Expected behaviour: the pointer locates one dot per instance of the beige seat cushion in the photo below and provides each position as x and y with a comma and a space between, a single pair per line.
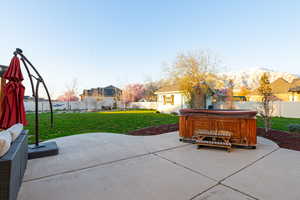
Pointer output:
5, 141
15, 131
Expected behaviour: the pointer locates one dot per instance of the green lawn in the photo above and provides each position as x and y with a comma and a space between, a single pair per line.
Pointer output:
114, 122
280, 123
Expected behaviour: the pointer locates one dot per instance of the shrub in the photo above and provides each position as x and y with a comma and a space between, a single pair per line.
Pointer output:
294, 128
174, 113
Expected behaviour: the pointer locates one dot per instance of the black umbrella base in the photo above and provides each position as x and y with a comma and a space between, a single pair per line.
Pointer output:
43, 150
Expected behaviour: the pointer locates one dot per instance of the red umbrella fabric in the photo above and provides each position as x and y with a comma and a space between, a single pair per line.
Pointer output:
13, 110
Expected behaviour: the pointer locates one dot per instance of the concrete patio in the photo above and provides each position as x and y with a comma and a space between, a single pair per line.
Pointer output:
113, 166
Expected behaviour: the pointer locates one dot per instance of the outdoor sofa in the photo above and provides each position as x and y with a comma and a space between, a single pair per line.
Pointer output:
12, 167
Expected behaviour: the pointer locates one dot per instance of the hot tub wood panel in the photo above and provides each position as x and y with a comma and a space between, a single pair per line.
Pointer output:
242, 125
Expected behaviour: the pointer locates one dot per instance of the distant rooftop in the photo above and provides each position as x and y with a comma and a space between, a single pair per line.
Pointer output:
3, 68
107, 91
169, 88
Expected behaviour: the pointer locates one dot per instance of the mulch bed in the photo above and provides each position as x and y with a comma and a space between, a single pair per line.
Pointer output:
155, 130
283, 139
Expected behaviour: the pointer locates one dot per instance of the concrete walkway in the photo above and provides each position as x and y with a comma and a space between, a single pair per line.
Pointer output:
114, 166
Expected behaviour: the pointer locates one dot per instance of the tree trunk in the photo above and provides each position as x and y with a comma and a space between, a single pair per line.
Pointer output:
266, 126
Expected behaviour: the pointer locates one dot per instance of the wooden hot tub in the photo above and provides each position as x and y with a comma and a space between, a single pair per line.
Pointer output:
241, 123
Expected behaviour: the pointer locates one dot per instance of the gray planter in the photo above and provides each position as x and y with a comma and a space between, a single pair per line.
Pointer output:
12, 168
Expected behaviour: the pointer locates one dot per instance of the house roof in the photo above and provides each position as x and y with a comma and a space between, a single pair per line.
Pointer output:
169, 88
295, 89
280, 85
111, 87
106, 91
295, 83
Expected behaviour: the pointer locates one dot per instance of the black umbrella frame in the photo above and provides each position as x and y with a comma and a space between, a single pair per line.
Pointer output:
38, 149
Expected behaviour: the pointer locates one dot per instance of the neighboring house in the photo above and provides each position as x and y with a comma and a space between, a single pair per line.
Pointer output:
2, 70
142, 100
108, 97
30, 98
172, 99
2, 82
282, 90
294, 90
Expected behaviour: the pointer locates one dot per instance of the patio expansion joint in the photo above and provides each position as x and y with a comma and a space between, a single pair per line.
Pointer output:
220, 182
87, 167
101, 164
171, 148
185, 167
197, 195
248, 165
244, 193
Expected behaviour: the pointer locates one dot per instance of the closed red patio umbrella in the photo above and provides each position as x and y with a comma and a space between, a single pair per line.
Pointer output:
12, 107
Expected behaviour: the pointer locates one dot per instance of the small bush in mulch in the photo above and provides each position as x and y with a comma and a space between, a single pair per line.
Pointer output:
294, 128
283, 139
174, 113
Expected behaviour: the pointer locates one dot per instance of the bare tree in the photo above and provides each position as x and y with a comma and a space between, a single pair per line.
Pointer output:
229, 94
244, 91
71, 92
95, 104
194, 70
150, 88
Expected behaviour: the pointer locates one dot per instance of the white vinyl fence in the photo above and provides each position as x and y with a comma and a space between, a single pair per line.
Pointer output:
61, 105
280, 108
83, 105
143, 105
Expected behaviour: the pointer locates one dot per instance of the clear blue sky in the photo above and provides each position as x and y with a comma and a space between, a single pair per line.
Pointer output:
119, 42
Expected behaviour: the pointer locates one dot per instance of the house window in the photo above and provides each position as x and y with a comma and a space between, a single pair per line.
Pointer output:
168, 99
